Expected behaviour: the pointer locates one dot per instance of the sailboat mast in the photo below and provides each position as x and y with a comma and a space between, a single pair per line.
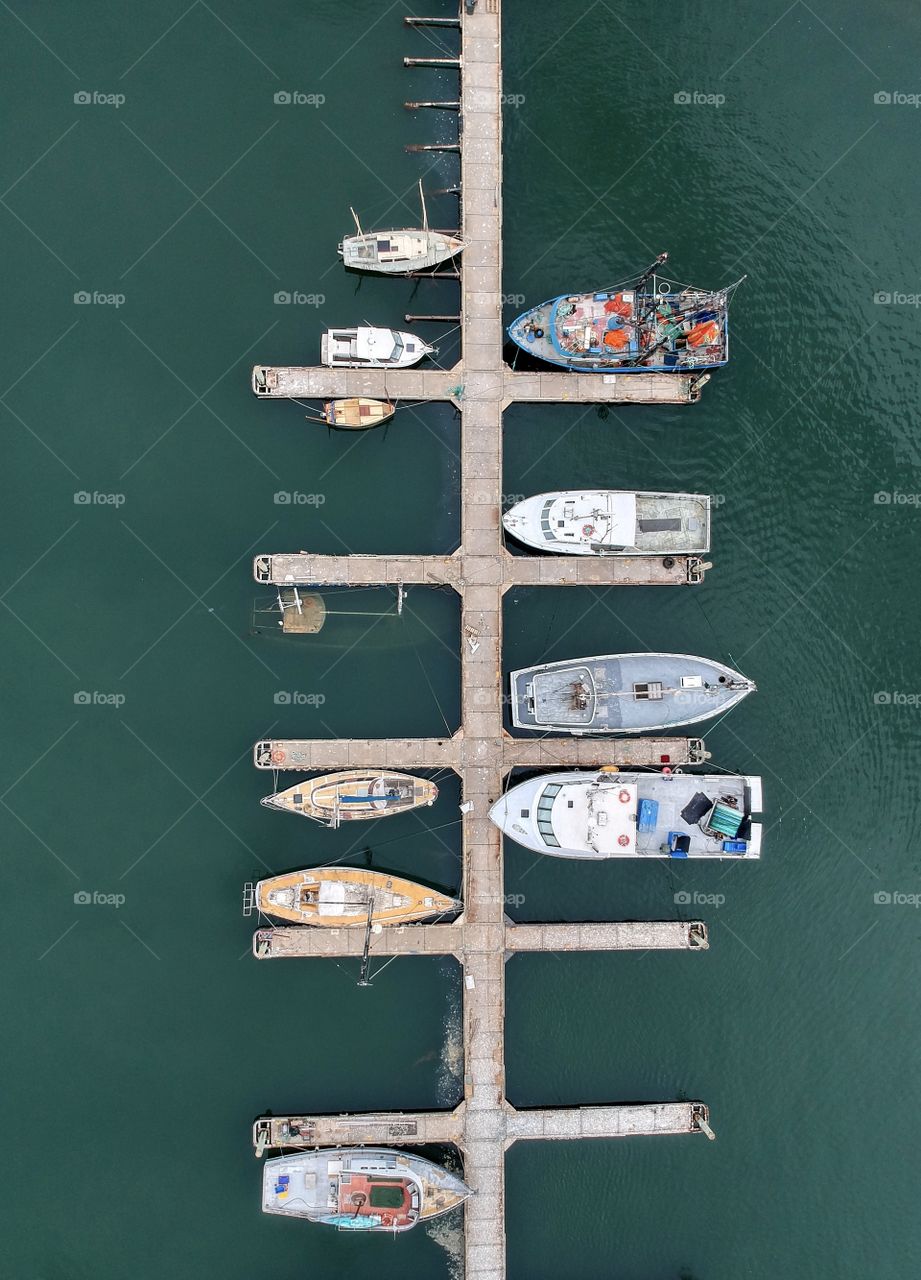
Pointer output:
363, 980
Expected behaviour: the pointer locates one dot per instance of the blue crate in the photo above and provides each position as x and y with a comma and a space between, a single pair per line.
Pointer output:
647, 816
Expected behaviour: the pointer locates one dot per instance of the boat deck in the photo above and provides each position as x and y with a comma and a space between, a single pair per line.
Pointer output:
622, 693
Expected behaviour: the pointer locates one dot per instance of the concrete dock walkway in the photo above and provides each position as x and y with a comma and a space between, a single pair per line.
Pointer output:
451, 753
421, 1128
463, 940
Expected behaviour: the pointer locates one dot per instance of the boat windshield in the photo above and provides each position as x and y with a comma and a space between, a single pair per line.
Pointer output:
544, 810
397, 347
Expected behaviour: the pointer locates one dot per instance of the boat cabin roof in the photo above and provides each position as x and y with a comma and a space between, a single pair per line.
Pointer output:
604, 517
389, 246
599, 818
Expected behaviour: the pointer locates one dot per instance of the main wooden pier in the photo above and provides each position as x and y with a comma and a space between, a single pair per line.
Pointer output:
482, 386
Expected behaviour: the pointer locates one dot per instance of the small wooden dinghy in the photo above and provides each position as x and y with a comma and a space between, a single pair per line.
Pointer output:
353, 794
335, 897
357, 412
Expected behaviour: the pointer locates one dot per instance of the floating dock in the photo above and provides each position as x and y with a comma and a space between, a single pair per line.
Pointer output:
295, 942
308, 754
460, 571
481, 386
466, 383
421, 1128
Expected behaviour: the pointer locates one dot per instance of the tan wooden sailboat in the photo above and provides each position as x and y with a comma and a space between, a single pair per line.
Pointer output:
356, 413
334, 897
353, 794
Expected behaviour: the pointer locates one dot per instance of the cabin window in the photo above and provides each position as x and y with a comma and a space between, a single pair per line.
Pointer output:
544, 810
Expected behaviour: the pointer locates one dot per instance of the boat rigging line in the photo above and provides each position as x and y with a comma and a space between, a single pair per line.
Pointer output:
433, 693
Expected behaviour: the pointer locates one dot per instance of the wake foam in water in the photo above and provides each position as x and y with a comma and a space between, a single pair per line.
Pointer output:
448, 1234
451, 1066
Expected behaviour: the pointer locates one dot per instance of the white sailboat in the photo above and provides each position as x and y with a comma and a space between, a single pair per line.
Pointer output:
399, 252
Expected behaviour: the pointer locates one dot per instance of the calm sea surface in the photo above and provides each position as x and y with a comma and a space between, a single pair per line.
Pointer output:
140, 476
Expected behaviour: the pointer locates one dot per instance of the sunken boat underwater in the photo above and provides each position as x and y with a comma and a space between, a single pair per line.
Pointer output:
614, 814
366, 347
399, 252
360, 1188
336, 897
351, 795
647, 324
612, 522
624, 693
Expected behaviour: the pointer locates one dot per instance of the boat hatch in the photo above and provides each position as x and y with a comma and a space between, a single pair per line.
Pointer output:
650, 692
723, 821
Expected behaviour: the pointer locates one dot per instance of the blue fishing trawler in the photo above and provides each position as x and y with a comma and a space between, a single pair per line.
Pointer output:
647, 324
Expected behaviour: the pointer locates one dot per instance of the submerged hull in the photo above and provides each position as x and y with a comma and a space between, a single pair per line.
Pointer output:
360, 1188
612, 522
624, 693
357, 413
337, 897
354, 795
613, 814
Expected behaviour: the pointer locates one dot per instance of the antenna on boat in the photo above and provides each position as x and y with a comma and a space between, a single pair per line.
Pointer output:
425, 216
363, 979
651, 270
357, 223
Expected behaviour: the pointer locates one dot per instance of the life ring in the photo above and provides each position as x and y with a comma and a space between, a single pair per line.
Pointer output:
624, 796
279, 757
666, 772
623, 840
587, 530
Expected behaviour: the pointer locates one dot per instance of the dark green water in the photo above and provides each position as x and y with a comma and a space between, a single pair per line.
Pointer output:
142, 1039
